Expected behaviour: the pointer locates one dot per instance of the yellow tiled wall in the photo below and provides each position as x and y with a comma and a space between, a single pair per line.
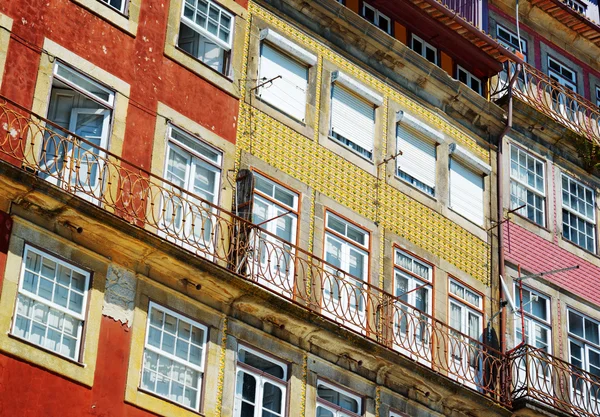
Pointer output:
334, 176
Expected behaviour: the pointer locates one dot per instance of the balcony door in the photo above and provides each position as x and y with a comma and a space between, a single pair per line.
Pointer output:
83, 107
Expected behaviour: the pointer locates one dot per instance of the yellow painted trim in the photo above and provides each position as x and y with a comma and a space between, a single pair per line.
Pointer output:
222, 357
5, 29
128, 24
25, 232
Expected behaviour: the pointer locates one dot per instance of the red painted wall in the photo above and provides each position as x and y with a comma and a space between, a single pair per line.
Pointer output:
536, 254
139, 61
29, 391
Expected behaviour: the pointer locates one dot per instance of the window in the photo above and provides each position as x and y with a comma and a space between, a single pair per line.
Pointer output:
466, 317
51, 303
562, 74
287, 65
412, 285
353, 115
536, 309
416, 165
424, 49
333, 401
538, 333
260, 388
510, 40
527, 185
346, 248
377, 18
577, 5
206, 33
584, 353
275, 210
80, 105
598, 96
469, 79
195, 167
579, 213
466, 191
174, 355
119, 5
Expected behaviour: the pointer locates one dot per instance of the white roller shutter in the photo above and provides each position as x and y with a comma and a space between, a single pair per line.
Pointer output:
418, 155
287, 93
466, 192
353, 118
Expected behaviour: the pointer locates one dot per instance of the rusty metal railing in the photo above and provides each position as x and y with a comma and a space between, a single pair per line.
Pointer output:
540, 377
550, 98
94, 174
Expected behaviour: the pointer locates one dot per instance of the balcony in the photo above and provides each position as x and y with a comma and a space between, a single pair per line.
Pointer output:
542, 379
40, 148
579, 16
554, 100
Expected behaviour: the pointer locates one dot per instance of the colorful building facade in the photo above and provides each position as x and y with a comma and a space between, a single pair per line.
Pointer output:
289, 208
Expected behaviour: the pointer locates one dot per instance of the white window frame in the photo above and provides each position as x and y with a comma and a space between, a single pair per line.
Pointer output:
194, 158
273, 255
511, 41
559, 76
158, 351
532, 321
58, 169
378, 17
335, 292
122, 9
582, 217
37, 299
578, 6
470, 78
337, 410
292, 52
460, 359
528, 188
422, 133
467, 162
416, 334
226, 46
261, 378
577, 396
425, 45
351, 87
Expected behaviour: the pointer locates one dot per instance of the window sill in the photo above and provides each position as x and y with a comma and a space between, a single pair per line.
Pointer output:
171, 402
413, 187
299, 126
51, 352
581, 248
128, 24
199, 68
462, 216
340, 144
529, 221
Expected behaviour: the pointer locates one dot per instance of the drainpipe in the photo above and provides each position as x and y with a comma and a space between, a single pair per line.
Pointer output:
500, 213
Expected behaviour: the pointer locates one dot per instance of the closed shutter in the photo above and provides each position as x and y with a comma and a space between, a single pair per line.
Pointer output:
466, 192
353, 118
418, 156
287, 93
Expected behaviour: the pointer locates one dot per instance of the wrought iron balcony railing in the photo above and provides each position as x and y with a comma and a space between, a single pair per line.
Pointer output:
550, 98
78, 167
542, 378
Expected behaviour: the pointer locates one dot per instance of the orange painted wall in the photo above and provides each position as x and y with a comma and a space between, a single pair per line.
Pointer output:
447, 64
